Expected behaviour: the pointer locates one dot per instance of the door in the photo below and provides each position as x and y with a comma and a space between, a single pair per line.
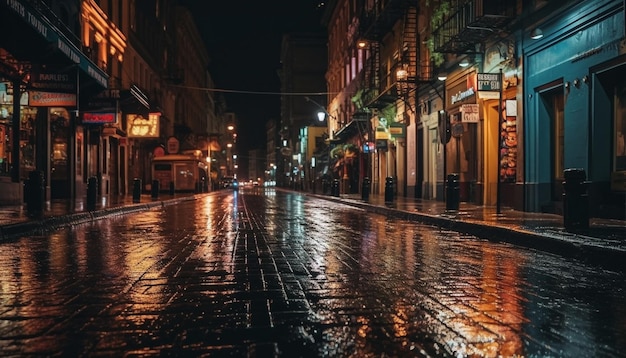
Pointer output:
553, 102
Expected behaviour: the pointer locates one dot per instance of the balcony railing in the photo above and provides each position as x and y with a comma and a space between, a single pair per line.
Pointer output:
471, 23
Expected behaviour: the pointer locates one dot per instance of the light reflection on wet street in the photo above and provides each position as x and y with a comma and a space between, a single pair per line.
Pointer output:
263, 272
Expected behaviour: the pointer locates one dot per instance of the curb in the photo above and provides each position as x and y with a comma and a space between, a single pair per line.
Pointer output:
42, 226
612, 258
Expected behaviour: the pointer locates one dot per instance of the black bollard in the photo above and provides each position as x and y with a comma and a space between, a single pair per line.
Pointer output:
172, 188
136, 190
335, 187
155, 189
92, 193
575, 200
452, 192
388, 189
34, 192
365, 189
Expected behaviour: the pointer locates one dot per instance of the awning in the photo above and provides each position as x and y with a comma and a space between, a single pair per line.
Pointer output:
356, 127
134, 100
46, 43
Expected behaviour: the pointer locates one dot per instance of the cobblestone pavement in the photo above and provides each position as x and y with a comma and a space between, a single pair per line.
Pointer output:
270, 273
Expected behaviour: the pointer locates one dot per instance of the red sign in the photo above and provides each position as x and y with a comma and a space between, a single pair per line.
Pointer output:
98, 118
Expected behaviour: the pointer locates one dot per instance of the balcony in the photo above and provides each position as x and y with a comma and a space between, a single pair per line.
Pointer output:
471, 23
377, 21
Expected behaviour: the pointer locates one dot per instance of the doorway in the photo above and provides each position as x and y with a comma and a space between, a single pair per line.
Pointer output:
553, 102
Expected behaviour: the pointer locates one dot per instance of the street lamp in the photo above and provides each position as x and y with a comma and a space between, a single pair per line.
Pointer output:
321, 116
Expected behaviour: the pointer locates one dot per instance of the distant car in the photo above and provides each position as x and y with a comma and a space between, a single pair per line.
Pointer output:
229, 182
255, 183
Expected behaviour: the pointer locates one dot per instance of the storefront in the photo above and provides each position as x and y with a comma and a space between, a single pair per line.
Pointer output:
500, 175
574, 106
43, 131
461, 151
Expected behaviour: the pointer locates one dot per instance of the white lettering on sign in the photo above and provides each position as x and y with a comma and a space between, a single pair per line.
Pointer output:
469, 113
462, 95
67, 50
17, 7
488, 81
97, 76
38, 25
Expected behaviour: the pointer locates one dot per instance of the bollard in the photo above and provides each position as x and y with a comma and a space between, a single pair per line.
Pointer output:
34, 192
575, 200
92, 193
324, 186
155, 189
136, 190
388, 189
365, 189
172, 188
452, 192
335, 187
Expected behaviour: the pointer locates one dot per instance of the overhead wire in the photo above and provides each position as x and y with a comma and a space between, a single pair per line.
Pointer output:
223, 90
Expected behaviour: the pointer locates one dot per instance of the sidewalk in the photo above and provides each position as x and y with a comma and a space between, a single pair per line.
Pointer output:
16, 221
604, 242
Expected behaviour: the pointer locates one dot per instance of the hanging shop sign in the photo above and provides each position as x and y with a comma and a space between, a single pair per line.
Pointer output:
489, 82
141, 127
397, 130
469, 113
49, 99
381, 133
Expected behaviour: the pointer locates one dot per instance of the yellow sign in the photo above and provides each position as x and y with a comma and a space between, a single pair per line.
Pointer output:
140, 127
381, 133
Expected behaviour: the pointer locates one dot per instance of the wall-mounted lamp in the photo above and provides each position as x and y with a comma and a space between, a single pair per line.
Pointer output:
536, 33
464, 62
402, 74
361, 44
442, 76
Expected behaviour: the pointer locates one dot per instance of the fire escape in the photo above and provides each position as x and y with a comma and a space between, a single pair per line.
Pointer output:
470, 23
384, 82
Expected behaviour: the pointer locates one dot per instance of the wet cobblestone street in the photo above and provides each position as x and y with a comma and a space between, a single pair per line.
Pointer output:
268, 273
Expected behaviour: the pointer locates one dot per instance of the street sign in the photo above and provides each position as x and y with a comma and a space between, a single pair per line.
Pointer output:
489, 82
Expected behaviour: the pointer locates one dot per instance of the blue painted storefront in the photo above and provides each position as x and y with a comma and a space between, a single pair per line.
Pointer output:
578, 55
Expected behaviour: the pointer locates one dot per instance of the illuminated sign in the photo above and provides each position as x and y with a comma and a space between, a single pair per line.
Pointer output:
49, 99
140, 127
98, 117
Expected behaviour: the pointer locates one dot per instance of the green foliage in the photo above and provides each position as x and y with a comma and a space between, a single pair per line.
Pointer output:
438, 15
389, 113
357, 99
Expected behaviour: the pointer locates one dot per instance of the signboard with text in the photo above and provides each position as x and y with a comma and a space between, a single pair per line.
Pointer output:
99, 117
469, 113
489, 82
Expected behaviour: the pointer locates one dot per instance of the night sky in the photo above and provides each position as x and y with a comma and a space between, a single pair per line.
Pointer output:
243, 39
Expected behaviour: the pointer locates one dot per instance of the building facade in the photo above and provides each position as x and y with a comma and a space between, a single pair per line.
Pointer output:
98, 89
470, 88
